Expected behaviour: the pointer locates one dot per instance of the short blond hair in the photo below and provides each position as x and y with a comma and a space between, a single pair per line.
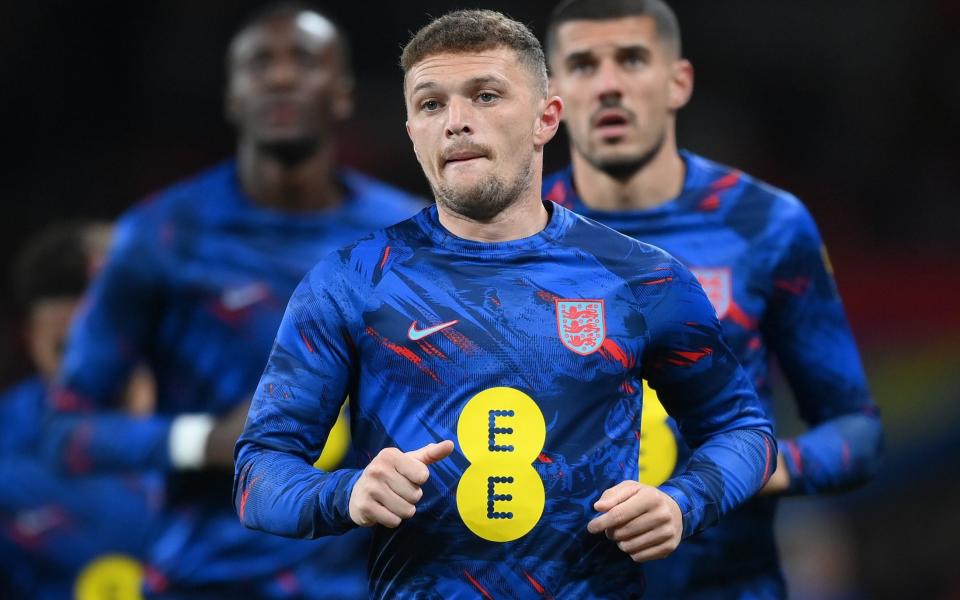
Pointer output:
466, 31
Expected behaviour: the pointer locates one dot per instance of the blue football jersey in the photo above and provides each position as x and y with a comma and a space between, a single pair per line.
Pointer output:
195, 286
757, 252
529, 355
56, 531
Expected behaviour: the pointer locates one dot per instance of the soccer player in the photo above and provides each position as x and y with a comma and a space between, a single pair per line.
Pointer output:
196, 284
60, 534
493, 347
618, 66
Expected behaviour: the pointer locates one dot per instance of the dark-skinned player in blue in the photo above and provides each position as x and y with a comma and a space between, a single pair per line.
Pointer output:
60, 536
756, 250
493, 348
196, 285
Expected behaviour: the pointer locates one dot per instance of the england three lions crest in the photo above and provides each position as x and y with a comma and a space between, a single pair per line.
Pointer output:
581, 324
717, 284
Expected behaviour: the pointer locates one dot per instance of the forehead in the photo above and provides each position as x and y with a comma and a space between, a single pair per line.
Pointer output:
306, 30
451, 69
596, 36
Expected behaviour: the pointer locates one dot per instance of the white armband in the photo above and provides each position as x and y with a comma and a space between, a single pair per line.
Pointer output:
188, 440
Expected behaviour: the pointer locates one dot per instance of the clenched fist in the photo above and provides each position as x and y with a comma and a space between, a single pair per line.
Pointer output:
644, 522
389, 488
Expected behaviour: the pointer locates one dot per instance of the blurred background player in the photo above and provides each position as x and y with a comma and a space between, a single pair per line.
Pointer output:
618, 66
196, 284
59, 534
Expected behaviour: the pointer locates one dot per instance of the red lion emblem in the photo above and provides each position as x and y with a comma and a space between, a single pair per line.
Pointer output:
581, 325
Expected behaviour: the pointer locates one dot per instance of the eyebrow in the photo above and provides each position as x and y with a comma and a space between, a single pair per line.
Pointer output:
423, 85
485, 80
471, 83
635, 49
580, 55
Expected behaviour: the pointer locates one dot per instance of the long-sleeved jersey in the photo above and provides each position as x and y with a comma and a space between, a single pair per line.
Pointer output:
759, 256
57, 532
529, 355
195, 286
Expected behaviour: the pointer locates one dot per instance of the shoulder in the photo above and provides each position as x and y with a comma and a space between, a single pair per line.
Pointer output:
784, 209
361, 264
650, 272
614, 249
183, 202
748, 205
30, 388
21, 406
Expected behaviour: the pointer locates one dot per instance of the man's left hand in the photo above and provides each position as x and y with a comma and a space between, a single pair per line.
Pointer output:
645, 522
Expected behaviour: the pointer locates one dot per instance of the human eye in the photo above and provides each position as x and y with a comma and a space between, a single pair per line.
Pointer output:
487, 97
258, 63
581, 67
430, 105
306, 59
633, 60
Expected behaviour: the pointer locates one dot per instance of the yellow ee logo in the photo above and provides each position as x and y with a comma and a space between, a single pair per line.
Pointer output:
113, 576
501, 432
658, 446
338, 441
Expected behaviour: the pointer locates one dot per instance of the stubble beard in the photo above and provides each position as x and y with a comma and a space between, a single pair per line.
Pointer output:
490, 197
623, 168
291, 153
294, 150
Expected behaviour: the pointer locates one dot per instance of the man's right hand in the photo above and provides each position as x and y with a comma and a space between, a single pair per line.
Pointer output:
390, 487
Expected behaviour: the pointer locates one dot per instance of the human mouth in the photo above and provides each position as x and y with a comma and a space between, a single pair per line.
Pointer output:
459, 157
612, 123
282, 113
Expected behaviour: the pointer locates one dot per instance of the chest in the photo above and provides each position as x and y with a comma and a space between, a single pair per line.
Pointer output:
733, 269
557, 331
241, 275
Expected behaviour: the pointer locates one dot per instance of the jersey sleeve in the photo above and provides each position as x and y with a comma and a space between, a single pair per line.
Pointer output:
107, 338
276, 488
703, 387
808, 331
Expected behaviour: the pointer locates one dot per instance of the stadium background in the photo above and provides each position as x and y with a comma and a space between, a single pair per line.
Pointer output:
851, 105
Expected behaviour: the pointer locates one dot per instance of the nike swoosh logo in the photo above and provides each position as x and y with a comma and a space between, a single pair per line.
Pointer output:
418, 334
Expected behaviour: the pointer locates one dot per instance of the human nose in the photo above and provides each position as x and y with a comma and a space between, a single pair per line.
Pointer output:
457, 118
281, 74
607, 84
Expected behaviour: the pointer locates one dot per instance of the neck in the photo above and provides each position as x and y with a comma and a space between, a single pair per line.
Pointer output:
524, 218
310, 185
654, 184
